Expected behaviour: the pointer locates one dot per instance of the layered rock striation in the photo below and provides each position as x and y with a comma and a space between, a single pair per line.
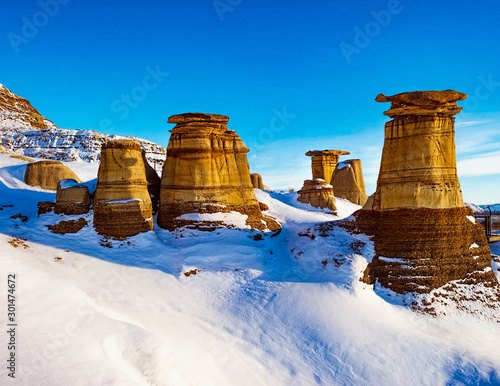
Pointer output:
348, 181
257, 181
122, 203
206, 171
27, 133
72, 198
323, 163
317, 193
47, 174
424, 235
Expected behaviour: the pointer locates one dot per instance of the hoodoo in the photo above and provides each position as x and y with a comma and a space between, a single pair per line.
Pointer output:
72, 197
424, 235
348, 181
257, 181
317, 193
47, 174
206, 172
323, 163
122, 204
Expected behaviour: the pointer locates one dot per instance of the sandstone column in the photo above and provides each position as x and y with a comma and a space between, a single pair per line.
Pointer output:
323, 163
424, 235
206, 171
348, 181
257, 181
122, 204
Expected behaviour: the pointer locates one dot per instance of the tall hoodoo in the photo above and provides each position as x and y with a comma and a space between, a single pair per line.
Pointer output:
207, 171
348, 181
419, 168
122, 204
424, 235
323, 163
257, 181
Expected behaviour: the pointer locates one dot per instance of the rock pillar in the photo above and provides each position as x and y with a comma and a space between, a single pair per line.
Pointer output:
323, 163
348, 181
424, 235
206, 171
122, 204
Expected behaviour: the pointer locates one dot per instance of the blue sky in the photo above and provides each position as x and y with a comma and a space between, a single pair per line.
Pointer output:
292, 75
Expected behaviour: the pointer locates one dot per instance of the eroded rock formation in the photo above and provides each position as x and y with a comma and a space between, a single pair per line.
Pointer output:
317, 193
257, 181
424, 235
154, 182
207, 171
348, 181
323, 163
122, 204
72, 198
47, 174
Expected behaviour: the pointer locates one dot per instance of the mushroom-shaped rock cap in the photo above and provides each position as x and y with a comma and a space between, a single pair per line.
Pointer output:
422, 103
314, 153
423, 98
198, 117
122, 144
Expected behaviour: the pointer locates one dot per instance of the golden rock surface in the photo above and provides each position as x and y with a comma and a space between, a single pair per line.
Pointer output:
257, 181
122, 204
317, 193
348, 181
419, 168
72, 198
206, 171
323, 163
47, 174
424, 235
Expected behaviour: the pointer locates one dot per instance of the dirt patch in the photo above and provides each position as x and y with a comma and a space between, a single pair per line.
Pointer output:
191, 273
70, 226
18, 243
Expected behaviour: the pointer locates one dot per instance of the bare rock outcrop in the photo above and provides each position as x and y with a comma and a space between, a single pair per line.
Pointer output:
47, 174
122, 204
323, 163
424, 235
206, 171
72, 198
348, 181
257, 181
317, 193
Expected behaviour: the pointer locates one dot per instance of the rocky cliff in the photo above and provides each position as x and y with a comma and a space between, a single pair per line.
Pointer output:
26, 132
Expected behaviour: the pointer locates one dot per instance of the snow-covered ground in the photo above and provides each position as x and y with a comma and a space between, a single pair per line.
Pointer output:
218, 308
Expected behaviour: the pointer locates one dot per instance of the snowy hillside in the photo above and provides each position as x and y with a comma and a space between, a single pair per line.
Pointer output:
219, 308
25, 131
483, 208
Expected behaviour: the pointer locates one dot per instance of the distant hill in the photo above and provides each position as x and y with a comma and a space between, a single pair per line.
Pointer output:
495, 208
26, 132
